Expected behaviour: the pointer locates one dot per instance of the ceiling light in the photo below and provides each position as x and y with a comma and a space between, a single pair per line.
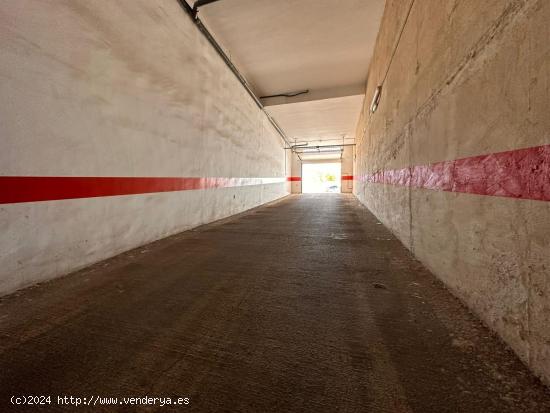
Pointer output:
376, 99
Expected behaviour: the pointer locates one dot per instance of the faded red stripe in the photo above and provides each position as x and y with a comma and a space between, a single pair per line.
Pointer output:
294, 178
521, 173
347, 178
15, 189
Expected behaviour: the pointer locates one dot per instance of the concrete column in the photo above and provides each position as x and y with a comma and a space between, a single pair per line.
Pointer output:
347, 169
296, 176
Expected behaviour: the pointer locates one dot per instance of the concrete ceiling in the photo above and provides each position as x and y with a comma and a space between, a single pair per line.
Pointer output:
320, 122
285, 46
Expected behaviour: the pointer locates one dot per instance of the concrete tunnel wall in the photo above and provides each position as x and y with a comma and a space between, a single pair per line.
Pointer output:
456, 159
107, 89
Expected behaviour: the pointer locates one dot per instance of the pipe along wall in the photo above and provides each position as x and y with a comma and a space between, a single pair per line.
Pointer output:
120, 125
456, 159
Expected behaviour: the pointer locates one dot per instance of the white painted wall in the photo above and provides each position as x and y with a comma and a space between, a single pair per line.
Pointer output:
105, 88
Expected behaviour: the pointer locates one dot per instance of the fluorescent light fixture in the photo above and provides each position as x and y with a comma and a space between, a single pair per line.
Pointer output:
376, 99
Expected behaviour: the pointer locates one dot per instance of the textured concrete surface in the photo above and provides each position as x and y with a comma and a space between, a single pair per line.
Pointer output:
291, 45
348, 159
330, 121
307, 304
286, 46
127, 89
296, 173
468, 78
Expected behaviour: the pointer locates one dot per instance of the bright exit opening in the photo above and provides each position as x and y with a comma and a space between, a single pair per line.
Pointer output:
321, 177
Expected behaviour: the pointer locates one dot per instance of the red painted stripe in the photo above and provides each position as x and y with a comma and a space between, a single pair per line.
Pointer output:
347, 178
521, 173
15, 189
294, 178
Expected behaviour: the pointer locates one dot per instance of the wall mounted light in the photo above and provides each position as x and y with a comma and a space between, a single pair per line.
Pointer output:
376, 99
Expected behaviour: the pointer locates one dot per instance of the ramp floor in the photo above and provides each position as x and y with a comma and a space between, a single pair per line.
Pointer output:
305, 305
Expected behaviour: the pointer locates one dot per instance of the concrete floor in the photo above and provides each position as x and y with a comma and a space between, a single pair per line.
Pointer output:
307, 304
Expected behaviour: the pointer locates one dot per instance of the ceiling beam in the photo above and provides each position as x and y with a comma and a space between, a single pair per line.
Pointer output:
311, 95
